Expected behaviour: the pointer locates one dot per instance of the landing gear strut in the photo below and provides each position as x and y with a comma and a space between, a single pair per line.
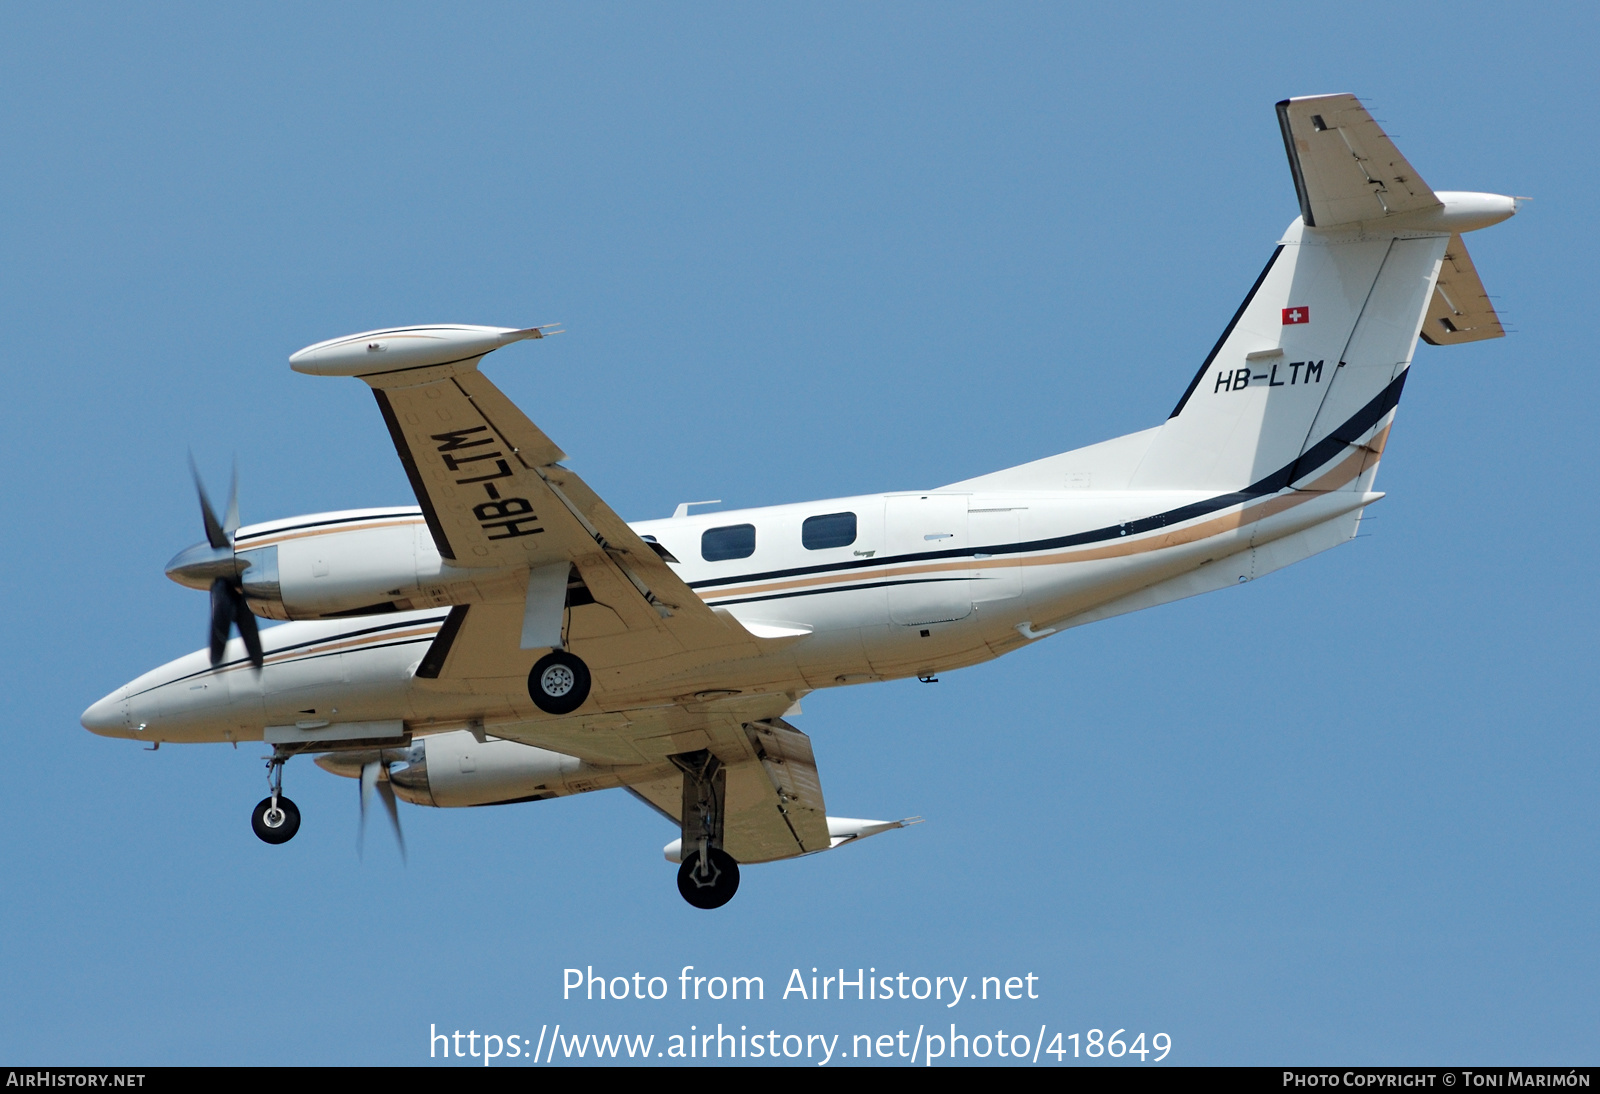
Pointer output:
275, 818
709, 875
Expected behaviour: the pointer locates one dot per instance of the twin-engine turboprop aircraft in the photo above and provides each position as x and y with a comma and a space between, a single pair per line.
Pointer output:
511, 638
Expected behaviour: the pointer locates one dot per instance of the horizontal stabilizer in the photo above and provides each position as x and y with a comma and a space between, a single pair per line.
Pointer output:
1460, 310
841, 830
1346, 169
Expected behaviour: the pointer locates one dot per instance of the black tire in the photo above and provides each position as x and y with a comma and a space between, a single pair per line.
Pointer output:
715, 891
559, 683
287, 821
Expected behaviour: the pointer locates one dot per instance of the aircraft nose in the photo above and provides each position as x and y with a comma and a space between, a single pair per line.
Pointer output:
108, 717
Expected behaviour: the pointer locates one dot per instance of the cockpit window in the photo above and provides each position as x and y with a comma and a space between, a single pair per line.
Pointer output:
828, 530
729, 541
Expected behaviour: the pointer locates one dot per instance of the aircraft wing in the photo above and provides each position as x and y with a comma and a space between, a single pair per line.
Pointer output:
773, 803
495, 496
1345, 167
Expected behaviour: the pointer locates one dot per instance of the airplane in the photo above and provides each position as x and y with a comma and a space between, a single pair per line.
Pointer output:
510, 638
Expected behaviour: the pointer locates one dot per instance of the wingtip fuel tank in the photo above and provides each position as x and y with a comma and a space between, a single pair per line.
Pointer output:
396, 348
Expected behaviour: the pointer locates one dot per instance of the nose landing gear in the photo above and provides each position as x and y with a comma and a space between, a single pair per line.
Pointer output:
275, 818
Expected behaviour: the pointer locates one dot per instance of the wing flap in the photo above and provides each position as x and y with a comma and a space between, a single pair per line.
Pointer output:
773, 806
786, 758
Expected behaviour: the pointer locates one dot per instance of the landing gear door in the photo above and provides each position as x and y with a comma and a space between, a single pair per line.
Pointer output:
932, 584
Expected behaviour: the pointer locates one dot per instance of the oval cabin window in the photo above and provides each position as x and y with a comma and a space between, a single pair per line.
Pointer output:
828, 530
729, 541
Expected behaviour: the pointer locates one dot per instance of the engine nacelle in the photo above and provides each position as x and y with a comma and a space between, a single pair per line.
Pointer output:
456, 769
358, 562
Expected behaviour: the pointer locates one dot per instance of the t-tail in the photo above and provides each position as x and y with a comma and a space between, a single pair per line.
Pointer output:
1299, 393
1300, 390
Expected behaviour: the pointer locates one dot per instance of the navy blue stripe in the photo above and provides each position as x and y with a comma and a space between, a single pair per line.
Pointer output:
1234, 322
1315, 457
1300, 191
419, 487
325, 523
293, 660
443, 639
302, 645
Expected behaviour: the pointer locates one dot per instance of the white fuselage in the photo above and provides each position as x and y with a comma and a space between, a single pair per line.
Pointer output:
915, 584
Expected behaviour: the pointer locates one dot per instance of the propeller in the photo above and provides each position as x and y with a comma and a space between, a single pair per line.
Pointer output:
375, 776
216, 560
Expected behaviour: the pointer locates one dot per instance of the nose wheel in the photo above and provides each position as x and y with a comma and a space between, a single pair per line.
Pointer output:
275, 818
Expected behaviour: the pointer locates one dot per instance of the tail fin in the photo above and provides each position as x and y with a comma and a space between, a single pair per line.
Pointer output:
1302, 385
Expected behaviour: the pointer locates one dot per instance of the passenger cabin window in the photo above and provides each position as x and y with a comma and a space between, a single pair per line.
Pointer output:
828, 530
729, 541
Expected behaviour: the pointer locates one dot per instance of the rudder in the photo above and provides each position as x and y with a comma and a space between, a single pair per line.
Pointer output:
1329, 327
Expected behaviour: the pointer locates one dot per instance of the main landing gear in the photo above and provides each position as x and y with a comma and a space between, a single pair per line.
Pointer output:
709, 875
559, 682
275, 818
708, 882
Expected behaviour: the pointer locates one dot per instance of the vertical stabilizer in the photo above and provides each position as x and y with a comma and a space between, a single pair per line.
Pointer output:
1301, 387
1317, 353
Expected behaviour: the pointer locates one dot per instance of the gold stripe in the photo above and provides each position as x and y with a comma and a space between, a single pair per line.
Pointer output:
274, 540
329, 647
1342, 473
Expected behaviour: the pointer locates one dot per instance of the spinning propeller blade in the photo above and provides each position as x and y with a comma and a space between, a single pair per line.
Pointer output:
370, 781
221, 616
228, 606
216, 535
230, 523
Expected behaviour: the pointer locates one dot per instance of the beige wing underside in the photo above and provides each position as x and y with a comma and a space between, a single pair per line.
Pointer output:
495, 496
1346, 169
1460, 310
773, 805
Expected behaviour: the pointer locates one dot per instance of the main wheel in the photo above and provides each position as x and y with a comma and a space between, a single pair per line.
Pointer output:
559, 683
713, 890
276, 825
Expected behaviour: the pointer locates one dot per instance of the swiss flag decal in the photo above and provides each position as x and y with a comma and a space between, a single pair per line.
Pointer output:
1296, 315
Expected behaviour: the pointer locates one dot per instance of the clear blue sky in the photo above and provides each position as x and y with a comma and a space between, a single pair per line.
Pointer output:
1348, 813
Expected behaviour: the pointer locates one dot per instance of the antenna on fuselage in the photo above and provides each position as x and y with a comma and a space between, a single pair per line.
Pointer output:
683, 507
